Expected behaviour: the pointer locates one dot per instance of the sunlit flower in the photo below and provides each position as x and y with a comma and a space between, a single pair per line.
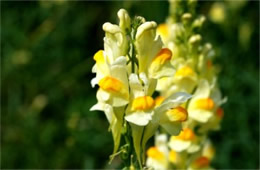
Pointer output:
201, 106
185, 141
157, 156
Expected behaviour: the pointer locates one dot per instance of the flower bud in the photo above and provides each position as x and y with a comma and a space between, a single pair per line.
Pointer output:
186, 18
195, 39
197, 23
125, 21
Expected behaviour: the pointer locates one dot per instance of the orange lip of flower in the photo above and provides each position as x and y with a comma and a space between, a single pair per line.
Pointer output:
153, 152
178, 114
186, 134
201, 162
158, 100
164, 55
220, 113
110, 84
205, 104
143, 103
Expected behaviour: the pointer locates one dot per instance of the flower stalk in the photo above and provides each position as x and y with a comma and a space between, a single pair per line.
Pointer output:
127, 72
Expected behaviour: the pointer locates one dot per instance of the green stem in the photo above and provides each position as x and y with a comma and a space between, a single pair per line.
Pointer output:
132, 58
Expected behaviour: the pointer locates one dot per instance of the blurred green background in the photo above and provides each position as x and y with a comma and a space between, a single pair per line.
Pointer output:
46, 61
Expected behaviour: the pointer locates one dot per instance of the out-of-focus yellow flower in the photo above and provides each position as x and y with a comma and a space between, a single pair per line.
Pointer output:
203, 159
217, 12
184, 71
173, 157
158, 155
201, 106
186, 140
208, 150
200, 163
163, 31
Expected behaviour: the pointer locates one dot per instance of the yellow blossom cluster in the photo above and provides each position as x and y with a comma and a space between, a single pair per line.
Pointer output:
127, 72
197, 75
140, 60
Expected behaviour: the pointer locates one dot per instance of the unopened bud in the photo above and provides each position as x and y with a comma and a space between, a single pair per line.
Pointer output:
186, 18
197, 23
141, 19
124, 19
195, 39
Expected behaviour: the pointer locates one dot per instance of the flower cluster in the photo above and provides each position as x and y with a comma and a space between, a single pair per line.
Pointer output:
128, 71
197, 75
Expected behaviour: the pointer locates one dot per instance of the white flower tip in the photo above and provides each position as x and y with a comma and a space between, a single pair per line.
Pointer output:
93, 82
124, 19
111, 28
121, 13
145, 27
95, 107
140, 119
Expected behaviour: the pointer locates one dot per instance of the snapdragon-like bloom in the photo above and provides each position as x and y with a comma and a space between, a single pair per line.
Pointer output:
186, 140
158, 155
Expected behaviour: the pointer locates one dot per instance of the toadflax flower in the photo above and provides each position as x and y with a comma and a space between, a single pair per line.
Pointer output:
186, 140
158, 155
111, 75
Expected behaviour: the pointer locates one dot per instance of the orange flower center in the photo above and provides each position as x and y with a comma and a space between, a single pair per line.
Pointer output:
110, 84
205, 104
186, 134
143, 103
177, 114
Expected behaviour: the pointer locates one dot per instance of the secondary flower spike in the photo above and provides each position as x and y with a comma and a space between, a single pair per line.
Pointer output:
195, 73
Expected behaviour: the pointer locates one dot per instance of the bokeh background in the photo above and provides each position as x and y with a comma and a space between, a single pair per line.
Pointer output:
47, 52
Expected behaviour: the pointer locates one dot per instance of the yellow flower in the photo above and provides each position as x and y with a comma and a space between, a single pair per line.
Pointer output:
161, 65
200, 163
115, 42
141, 108
184, 79
157, 156
186, 140
201, 106
147, 45
164, 32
